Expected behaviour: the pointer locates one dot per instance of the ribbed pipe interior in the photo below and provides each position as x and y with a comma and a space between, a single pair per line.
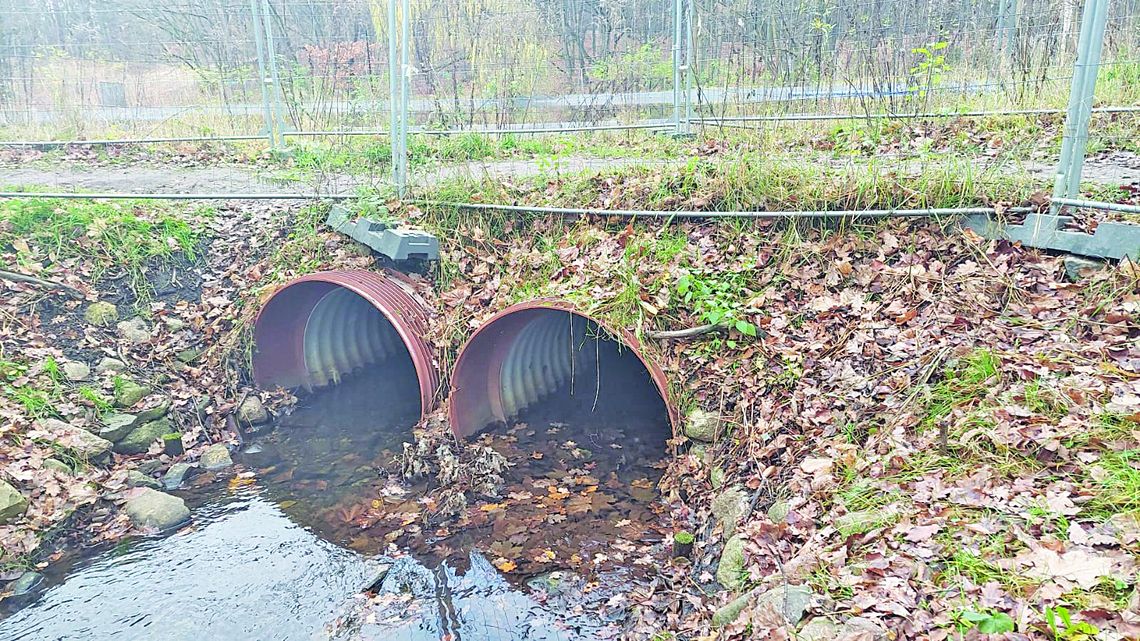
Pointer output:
551, 358
326, 327
345, 334
542, 360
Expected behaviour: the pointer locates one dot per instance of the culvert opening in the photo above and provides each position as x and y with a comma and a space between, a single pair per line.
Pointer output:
544, 365
327, 329
582, 417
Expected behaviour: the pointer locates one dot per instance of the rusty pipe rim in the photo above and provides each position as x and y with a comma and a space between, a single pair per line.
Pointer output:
458, 414
286, 318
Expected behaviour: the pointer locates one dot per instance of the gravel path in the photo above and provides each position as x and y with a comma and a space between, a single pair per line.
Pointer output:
1114, 168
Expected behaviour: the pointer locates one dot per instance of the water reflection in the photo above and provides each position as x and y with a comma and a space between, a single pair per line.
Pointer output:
243, 571
417, 604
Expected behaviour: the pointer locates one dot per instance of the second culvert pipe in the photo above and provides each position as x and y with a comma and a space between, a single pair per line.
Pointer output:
530, 351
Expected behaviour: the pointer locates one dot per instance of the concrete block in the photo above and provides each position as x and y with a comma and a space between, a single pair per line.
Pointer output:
383, 237
1045, 231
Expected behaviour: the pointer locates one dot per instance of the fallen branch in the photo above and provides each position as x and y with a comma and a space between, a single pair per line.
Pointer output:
40, 282
691, 332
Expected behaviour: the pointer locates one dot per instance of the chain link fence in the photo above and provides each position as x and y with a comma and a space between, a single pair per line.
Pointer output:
469, 79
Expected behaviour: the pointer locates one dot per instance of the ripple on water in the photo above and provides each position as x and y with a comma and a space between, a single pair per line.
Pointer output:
245, 571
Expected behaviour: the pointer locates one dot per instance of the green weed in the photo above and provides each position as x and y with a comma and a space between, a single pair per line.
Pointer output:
718, 298
116, 236
985, 621
1063, 628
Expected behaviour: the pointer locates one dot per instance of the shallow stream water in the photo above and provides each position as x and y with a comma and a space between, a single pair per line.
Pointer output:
285, 548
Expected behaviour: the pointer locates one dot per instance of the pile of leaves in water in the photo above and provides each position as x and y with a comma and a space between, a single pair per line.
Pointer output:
560, 500
935, 432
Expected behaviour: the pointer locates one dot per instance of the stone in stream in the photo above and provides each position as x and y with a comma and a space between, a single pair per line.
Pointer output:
135, 330
730, 570
117, 425
12, 503
25, 583
252, 411
108, 364
376, 579
178, 474
83, 444
127, 393
702, 426
728, 507
407, 576
136, 478
140, 438
153, 509
216, 457
76, 371
56, 465
101, 313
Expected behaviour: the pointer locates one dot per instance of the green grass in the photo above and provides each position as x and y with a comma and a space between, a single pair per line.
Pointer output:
961, 385
100, 403
756, 181
1119, 489
965, 564
309, 158
33, 389
113, 236
1041, 398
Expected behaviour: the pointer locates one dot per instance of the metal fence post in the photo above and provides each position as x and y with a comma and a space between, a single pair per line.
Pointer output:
393, 92
1067, 182
399, 73
690, 69
405, 89
263, 81
275, 79
677, 67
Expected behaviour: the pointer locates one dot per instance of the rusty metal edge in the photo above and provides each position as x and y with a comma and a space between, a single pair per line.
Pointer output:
391, 294
660, 381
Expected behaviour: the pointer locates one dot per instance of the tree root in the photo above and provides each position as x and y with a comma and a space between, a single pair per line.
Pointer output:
682, 334
40, 282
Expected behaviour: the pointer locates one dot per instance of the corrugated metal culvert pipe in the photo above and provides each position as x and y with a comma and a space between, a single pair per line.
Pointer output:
545, 353
318, 329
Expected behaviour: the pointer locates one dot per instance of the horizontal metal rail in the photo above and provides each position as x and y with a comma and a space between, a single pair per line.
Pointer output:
497, 131
1096, 204
903, 116
124, 141
644, 213
726, 120
153, 196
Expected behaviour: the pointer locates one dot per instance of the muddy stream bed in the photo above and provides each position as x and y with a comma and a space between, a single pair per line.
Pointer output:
314, 535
